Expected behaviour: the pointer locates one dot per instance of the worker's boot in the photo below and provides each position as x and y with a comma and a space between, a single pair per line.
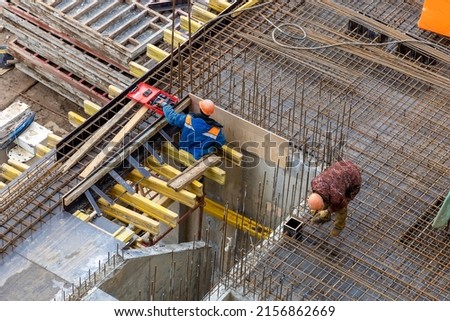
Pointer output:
339, 223
335, 232
321, 217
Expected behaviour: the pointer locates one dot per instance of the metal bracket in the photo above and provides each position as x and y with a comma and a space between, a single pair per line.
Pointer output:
121, 181
93, 203
153, 152
100, 193
138, 166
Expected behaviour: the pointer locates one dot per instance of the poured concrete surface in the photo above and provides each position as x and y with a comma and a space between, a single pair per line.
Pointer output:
55, 257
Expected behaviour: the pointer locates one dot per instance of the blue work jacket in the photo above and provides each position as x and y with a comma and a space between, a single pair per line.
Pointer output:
200, 135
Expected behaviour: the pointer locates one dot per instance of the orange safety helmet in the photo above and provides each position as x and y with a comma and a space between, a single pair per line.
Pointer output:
207, 107
315, 202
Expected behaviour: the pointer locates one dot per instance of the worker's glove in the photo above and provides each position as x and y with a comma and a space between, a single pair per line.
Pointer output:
158, 102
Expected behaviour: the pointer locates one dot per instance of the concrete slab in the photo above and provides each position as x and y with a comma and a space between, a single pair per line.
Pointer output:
68, 247
17, 273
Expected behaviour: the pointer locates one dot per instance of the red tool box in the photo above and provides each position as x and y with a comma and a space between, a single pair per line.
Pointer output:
149, 96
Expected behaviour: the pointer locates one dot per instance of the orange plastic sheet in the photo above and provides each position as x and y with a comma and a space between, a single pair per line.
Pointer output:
435, 17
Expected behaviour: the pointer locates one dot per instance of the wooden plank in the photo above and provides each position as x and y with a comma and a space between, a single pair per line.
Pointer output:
97, 136
193, 172
218, 5
42, 150
78, 190
137, 70
161, 187
74, 60
178, 38
129, 126
167, 171
74, 119
115, 18
129, 216
113, 91
90, 107
18, 165
184, 24
214, 173
156, 53
201, 14
145, 205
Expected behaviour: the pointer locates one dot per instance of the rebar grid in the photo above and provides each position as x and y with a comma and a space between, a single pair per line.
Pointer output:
388, 110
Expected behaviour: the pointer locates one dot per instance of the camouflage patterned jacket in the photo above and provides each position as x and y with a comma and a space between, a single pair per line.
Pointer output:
338, 184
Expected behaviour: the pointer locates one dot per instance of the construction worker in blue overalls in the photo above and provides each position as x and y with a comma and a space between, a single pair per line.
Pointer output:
200, 134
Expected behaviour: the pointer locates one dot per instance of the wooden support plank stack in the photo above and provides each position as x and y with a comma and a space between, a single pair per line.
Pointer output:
79, 49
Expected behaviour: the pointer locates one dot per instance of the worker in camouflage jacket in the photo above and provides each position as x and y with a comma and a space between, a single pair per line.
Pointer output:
332, 190
200, 134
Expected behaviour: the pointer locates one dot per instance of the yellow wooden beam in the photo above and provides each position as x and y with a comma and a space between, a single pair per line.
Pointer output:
83, 216
9, 173
2, 185
160, 186
169, 172
41, 150
113, 91
218, 5
178, 38
52, 140
123, 234
246, 5
18, 165
214, 173
74, 119
129, 216
156, 53
137, 70
201, 14
184, 24
233, 155
236, 220
90, 107
164, 201
145, 205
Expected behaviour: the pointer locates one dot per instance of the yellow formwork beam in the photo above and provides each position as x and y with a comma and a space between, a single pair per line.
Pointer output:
113, 91
214, 173
18, 165
160, 186
90, 107
2, 185
201, 14
53, 140
83, 216
178, 38
129, 216
145, 205
123, 234
235, 156
156, 53
184, 24
41, 150
9, 173
169, 172
137, 70
245, 6
218, 5
164, 201
74, 119
236, 220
